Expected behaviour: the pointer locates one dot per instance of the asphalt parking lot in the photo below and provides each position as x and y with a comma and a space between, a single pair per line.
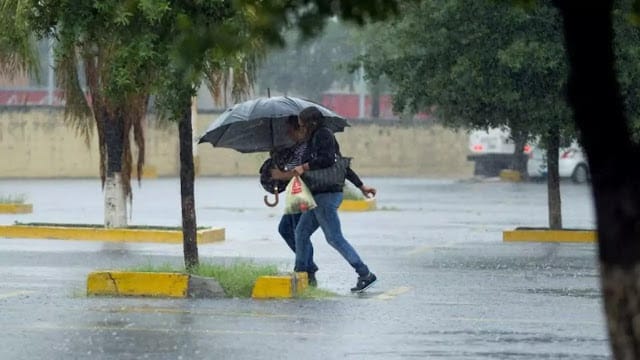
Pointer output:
449, 287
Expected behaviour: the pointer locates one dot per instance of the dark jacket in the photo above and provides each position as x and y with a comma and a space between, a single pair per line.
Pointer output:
321, 153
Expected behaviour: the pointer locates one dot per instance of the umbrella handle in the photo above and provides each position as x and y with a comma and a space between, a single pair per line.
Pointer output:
274, 203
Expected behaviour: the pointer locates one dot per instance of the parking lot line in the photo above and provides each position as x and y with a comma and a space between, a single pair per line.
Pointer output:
15, 294
391, 294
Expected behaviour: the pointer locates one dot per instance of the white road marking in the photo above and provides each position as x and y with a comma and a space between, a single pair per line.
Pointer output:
391, 294
15, 294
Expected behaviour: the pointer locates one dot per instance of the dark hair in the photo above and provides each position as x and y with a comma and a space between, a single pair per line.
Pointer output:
292, 122
311, 117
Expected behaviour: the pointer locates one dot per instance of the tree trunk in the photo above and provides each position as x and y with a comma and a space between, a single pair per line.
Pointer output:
519, 160
115, 204
553, 180
598, 110
190, 245
375, 98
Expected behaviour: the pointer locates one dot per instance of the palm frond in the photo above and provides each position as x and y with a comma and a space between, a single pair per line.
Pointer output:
215, 78
77, 112
232, 76
18, 53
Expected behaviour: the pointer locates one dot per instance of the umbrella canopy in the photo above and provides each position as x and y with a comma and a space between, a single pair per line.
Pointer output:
260, 124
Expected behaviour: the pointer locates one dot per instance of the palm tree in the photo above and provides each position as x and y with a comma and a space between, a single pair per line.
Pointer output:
118, 71
127, 51
18, 54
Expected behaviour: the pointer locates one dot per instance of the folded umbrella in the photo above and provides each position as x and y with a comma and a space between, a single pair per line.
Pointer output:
260, 124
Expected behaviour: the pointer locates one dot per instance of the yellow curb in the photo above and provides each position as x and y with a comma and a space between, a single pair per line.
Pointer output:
16, 208
203, 236
148, 172
358, 205
137, 284
280, 287
510, 175
302, 281
574, 236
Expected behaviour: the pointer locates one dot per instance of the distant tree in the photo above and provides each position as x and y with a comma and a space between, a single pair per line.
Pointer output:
457, 58
309, 67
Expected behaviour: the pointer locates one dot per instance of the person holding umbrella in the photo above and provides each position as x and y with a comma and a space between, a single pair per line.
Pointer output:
288, 222
321, 152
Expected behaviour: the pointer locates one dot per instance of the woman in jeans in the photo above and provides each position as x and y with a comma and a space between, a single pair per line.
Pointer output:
289, 222
321, 151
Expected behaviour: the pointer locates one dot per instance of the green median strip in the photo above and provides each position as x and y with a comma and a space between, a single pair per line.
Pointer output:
237, 280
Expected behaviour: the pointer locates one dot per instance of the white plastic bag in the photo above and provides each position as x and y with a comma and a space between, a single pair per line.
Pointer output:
299, 198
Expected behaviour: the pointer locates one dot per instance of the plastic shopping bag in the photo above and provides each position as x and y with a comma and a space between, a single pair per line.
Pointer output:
299, 198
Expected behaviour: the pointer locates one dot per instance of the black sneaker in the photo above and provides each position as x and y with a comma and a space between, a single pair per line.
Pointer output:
313, 282
364, 282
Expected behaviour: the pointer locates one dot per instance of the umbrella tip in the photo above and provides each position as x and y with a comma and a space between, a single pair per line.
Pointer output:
268, 92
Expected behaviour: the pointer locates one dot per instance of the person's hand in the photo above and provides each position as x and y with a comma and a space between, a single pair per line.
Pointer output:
367, 190
299, 170
278, 174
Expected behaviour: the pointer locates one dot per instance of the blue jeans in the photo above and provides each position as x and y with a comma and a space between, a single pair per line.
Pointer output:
325, 216
287, 228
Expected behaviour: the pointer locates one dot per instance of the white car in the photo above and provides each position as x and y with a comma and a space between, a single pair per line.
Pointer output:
571, 164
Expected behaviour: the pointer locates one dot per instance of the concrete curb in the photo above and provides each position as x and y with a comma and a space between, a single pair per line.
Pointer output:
358, 205
542, 235
173, 285
16, 208
62, 232
280, 287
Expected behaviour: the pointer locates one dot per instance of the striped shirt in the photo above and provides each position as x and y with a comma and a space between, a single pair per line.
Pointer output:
295, 158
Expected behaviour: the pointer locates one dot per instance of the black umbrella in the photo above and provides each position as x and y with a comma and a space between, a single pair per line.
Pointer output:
260, 124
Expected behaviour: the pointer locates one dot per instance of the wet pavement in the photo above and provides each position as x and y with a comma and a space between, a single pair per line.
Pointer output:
449, 287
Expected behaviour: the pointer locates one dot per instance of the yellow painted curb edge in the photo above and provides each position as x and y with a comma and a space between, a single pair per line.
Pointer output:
148, 172
16, 208
358, 205
532, 235
280, 286
204, 236
510, 175
122, 283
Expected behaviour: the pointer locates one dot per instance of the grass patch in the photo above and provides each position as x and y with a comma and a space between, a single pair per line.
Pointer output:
13, 199
316, 293
236, 279
166, 267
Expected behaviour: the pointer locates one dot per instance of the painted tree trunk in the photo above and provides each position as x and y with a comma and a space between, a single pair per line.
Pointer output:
115, 204
190, 245
553, 180
596, 100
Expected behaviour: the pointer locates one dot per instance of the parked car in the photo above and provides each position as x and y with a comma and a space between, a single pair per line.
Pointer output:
571, 164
